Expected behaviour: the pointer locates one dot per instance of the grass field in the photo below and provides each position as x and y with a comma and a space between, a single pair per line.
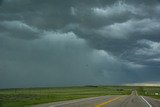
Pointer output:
149, 91
32, 96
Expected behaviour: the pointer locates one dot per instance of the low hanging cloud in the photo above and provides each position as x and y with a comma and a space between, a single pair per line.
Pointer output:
59, 58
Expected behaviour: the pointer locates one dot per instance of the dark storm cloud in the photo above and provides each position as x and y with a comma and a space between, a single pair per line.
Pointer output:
62, 43
59, 58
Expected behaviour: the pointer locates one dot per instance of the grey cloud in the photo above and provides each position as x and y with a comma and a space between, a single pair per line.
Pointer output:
18, 29
59, 58
57, 42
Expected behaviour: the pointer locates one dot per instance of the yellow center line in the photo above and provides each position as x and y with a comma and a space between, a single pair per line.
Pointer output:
105, 103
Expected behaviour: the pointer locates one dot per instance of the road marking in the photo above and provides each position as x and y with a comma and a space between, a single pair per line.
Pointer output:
63, 103
105, 103
146, 102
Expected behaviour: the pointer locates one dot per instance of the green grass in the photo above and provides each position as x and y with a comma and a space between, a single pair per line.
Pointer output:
149, 91
32, 96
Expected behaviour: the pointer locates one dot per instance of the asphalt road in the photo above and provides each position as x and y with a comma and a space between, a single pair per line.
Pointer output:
132, 100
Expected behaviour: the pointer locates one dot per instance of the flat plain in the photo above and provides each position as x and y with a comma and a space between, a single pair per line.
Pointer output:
22, 97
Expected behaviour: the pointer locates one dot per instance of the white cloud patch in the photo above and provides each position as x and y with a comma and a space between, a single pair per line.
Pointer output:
18, 29
154, 60
118, 8
157, 9
144, 84
134, 65
73, 11
128, 28
150, 48
11, 25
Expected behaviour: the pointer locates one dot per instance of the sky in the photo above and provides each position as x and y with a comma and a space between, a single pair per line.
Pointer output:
52, 43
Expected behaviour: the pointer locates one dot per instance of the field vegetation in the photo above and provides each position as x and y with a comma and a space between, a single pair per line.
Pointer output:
31, 96
149, 91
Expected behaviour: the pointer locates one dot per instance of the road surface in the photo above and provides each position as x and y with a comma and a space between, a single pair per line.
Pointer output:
132, 100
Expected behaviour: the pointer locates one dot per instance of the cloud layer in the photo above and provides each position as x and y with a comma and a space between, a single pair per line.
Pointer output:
65, 43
